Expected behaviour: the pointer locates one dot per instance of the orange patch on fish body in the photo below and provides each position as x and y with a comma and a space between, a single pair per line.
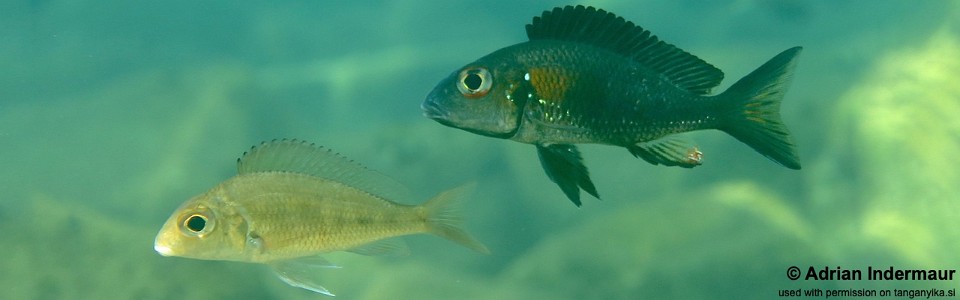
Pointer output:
550, 83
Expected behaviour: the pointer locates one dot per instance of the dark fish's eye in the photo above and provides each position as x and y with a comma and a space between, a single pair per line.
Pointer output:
196, 224
474, 82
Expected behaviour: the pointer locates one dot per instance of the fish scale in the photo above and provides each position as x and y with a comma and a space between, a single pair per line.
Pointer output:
583, 110
303, 216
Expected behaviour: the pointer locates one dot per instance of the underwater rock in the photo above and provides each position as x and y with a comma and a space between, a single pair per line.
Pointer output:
419, 281
127, 145
732, 240
894, 159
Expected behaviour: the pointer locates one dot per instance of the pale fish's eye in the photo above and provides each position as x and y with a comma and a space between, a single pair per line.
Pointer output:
474, 82
196, 224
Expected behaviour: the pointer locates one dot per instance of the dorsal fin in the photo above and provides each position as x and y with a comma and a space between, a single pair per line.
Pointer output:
606, 30
284, 155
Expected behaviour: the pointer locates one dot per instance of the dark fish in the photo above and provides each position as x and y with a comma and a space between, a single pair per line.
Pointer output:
588, 76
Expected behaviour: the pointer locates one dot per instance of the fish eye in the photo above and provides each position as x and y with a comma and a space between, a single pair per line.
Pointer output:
196, 224
474, 82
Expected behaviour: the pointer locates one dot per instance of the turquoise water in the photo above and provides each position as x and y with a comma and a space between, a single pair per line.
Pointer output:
112, 113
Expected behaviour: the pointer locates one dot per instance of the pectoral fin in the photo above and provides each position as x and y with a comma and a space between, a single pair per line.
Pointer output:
564, 166
302, 272
668, 152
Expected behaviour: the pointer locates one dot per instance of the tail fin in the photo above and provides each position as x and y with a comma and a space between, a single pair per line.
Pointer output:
444, 221
753, 105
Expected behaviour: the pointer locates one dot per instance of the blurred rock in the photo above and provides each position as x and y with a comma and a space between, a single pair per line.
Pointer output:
734, 240
892, 164
127, 145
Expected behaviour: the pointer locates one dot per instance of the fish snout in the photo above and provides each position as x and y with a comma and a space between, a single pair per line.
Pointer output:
162, 248
166, 241
432, 110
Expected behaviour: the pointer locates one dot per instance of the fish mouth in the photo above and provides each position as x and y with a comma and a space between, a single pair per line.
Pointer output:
163, 250
433, 111
162, 244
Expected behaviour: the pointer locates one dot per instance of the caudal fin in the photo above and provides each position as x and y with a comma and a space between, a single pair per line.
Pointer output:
444, 221
753, 115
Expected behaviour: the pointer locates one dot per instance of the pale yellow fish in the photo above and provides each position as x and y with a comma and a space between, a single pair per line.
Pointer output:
291, 201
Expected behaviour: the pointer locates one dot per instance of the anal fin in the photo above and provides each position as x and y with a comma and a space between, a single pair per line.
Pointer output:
564, 166
668, 152
302, 272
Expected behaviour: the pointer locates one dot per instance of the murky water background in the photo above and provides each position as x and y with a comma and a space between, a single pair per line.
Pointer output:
114, 112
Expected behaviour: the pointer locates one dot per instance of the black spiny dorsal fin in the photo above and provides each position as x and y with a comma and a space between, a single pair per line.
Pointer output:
606, 30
